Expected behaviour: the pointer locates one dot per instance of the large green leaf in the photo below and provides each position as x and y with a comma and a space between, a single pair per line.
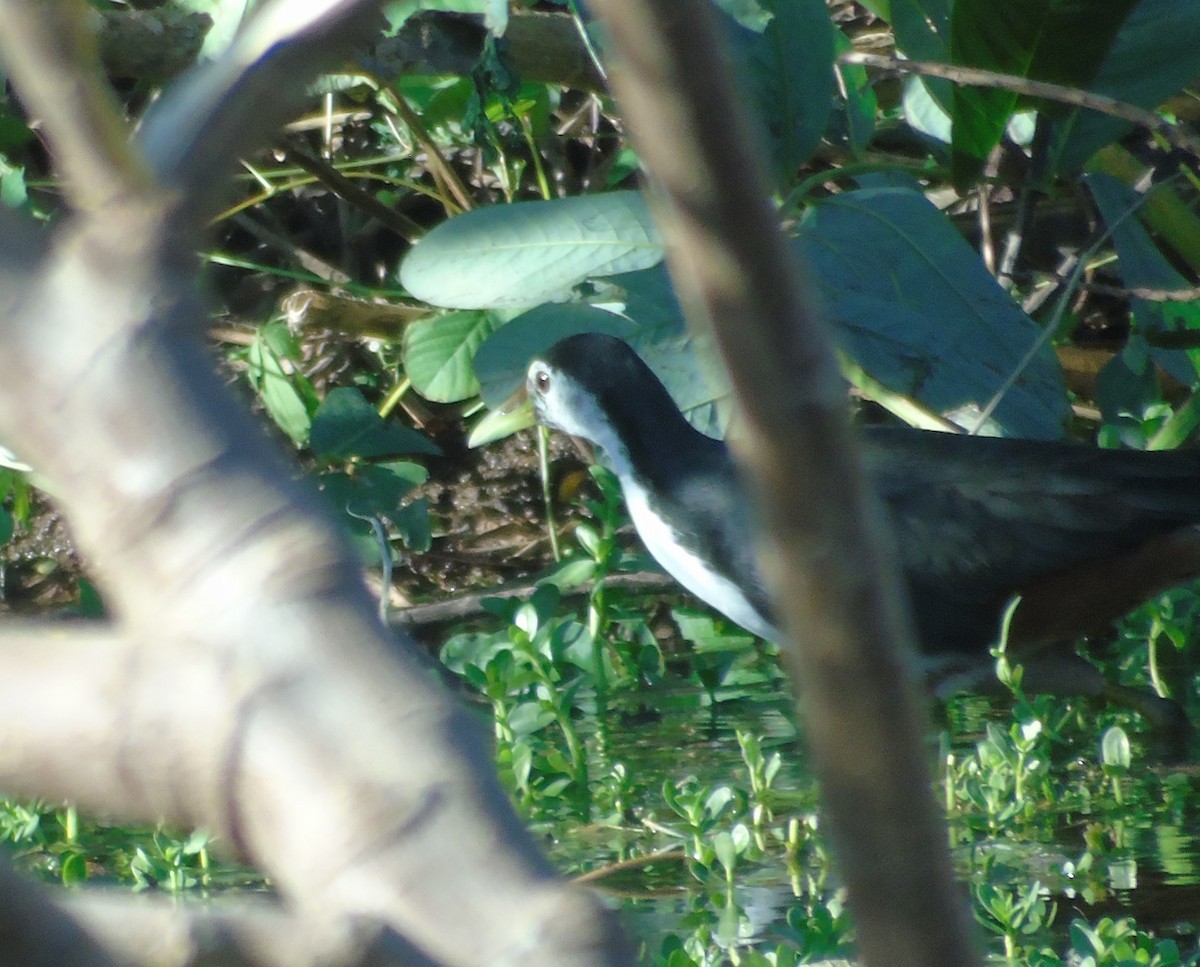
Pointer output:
790, 68
909, 299
438, 354
914, 305
1061, 41
524, 254
1156, 53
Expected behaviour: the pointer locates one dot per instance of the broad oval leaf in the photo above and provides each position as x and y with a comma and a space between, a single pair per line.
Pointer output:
438, 354
913, 303
531, 252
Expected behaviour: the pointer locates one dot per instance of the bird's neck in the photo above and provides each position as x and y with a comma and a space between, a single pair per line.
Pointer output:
655, 453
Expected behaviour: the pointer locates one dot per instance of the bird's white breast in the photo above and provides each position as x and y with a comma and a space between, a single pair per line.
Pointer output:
686, 567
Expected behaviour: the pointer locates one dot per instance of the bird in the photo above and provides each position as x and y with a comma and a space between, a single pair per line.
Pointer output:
1082, 534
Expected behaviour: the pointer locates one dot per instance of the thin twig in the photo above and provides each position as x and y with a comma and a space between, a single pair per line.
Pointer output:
346, 189
1190, 294
439, 167
1174, 135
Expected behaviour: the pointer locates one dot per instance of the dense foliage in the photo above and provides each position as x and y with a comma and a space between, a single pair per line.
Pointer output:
1005, 255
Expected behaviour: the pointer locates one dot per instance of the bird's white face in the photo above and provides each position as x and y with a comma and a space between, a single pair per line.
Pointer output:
562, 404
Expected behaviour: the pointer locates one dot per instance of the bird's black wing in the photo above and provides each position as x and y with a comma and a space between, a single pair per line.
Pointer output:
977, 519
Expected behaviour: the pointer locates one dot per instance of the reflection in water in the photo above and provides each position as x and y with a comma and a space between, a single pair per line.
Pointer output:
1106, 844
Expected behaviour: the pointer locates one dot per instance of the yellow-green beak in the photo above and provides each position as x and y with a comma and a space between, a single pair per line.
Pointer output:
515, 413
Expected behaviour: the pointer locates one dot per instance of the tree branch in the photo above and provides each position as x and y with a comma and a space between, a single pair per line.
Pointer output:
245, 685
823, 555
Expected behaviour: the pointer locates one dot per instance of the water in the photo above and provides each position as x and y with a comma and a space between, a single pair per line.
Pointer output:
1092, 843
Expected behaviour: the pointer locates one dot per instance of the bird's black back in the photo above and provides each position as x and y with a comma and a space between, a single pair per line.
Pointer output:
979, 519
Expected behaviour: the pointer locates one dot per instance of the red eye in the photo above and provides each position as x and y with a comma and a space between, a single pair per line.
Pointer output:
541, 381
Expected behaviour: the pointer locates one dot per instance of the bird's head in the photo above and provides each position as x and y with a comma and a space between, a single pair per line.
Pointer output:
595, 387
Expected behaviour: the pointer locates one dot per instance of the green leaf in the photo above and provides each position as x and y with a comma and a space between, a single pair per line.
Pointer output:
1060, 41
914, 305
278, 390
922, 30
13, 193
791, 74
527, 253
923, 112
6, 526
412, 522
1115, 750
378, 490
1127, 383
571, 572
74, 868
347, 425
438, 354
860, 106
727, 854
1155, 54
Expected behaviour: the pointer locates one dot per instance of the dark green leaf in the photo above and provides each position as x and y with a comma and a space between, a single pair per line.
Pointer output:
1127, 383
791, 73
375, 490
1143, 265
915, 306
1155, 54
412, 521
860, 105
1060, 41
347, 425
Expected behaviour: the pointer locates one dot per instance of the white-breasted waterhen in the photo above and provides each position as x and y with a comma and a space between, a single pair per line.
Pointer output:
1082, 534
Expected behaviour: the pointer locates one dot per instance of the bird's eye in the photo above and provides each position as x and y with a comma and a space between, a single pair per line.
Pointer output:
541, 381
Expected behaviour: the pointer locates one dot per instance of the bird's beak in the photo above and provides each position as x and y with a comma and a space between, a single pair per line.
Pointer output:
515, 413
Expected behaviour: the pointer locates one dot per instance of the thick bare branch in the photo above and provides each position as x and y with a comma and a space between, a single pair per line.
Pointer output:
151, 932
248, 687
55, 64
824, 556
